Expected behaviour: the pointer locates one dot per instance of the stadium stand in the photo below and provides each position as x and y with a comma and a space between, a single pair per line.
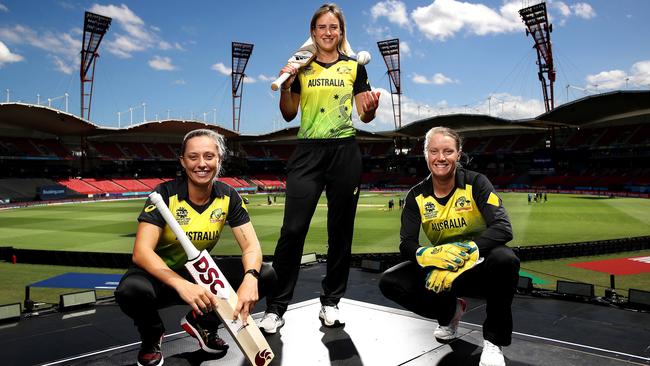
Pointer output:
23, 189
79, 186
131, 185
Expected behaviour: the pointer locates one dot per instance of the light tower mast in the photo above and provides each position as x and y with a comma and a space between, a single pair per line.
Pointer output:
389, 49
241, 52
95, 26
536, 19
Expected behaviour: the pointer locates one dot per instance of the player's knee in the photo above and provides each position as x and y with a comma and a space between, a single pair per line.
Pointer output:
389, 285
503, 260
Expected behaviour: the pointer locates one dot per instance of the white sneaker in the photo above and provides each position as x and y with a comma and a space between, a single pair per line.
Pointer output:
330, 316
448, 332
492, 355
270, 323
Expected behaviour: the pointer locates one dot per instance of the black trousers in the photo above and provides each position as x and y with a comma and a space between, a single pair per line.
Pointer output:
140, 295
333, 165
495, 279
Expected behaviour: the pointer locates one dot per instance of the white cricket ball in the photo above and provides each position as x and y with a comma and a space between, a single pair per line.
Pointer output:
363, 57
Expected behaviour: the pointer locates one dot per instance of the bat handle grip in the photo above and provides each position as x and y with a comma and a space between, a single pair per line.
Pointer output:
278, 82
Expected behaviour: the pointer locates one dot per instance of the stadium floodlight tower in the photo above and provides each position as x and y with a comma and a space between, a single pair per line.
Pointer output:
389, 49
241, 52
536, 19
95, 26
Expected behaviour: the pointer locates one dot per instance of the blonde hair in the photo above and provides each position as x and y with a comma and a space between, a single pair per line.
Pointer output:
344, 45
445, 131
215, 136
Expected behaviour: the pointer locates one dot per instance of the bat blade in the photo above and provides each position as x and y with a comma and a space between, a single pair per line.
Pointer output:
300, 59
207, 274
249, 338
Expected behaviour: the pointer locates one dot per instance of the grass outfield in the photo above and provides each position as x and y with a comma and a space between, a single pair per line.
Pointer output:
110, 227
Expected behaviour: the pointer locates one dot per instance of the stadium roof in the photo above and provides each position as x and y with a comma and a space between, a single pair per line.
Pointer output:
467, 124
29, 118
170, 130
614, 108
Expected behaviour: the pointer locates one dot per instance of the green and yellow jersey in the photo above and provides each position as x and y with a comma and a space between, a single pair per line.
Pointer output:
471, 211
326, 97
202, 224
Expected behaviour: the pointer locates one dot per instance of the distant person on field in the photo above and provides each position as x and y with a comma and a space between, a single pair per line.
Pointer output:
530, 197
466, 254
545, 197
391, 203
158, 278
327, 157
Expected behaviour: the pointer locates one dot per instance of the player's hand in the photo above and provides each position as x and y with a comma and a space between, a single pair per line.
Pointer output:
200, 299
248, 296
438, 280
291, 70
369, 101
445, 256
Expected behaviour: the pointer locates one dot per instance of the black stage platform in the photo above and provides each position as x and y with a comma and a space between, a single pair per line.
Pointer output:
548, 332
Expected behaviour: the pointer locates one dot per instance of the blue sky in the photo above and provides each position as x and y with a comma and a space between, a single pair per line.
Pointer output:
456, 56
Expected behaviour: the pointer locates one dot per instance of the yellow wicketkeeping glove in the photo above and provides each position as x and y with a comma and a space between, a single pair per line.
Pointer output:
439, 280
446, 256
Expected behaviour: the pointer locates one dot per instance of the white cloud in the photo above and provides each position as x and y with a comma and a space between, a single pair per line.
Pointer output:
249, 80
613, 79
6, 56
133, 34
179, 82
404, 49
394, 11
563, 8
638, 76
444, 18
63, 66
221, 68
4, 8
262, 77
436, 79
378, 32
502, 105
62, 48
161, 63
583, 10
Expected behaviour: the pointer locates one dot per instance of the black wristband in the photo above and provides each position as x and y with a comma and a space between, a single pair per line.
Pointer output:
253, 272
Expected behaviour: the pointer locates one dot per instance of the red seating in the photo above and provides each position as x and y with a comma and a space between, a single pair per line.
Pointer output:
80, 186
131, 185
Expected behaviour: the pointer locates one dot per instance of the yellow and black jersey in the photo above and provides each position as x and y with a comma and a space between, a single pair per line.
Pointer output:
326, 97
471, 211
202, 224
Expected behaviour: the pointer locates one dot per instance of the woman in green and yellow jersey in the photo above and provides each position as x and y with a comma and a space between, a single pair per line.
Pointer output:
327, 157
467, 229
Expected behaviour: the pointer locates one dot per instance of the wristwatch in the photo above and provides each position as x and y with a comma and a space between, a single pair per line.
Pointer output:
253, 272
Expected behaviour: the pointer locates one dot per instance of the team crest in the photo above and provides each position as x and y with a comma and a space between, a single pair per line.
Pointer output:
430, 210
343, 70
307, 70
181, 215
217, 216
462, 204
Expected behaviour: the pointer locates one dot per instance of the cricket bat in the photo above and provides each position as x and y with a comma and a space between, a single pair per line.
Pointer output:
206, 274
301, 58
